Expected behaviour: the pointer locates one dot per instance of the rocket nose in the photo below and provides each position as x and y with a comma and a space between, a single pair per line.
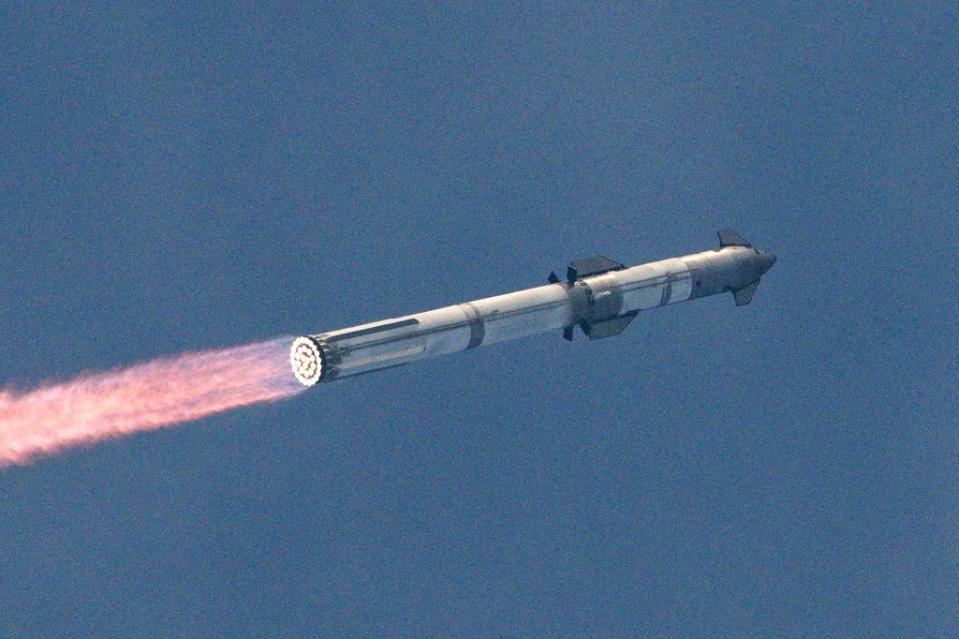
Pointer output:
768, 260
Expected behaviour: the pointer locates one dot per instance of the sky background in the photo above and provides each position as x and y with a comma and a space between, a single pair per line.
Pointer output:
203, 176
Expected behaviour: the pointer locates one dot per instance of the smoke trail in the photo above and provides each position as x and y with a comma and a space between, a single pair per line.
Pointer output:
163, 392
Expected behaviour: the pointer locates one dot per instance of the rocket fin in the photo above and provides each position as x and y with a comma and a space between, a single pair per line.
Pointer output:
744, 295
608, 327
568, 333
729, 237
590, 266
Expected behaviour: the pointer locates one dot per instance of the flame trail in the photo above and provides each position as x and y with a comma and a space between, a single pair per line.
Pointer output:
164, 392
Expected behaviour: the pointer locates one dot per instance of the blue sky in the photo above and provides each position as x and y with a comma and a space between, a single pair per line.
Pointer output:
185, 178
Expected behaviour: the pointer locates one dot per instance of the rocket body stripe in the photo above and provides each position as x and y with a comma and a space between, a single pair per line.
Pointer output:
596, 298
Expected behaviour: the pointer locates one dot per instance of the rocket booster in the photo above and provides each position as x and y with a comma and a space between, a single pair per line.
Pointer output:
599, 295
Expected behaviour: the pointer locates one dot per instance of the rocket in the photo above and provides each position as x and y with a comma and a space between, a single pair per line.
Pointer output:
599, 296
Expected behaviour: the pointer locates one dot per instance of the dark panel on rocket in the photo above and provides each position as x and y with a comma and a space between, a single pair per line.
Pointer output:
374, 329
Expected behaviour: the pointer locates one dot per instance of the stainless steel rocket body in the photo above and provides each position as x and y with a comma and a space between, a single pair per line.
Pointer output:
599, 295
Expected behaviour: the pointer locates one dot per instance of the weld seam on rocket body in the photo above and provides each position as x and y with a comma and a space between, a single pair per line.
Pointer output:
667, 290
477, 325
602, 301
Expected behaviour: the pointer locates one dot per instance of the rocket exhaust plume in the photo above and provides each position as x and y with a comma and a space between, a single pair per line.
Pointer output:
164, 392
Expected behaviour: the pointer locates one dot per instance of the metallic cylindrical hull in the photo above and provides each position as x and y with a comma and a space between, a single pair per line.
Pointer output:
604, 302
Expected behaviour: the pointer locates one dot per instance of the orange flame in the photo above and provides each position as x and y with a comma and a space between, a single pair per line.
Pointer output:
148, 396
